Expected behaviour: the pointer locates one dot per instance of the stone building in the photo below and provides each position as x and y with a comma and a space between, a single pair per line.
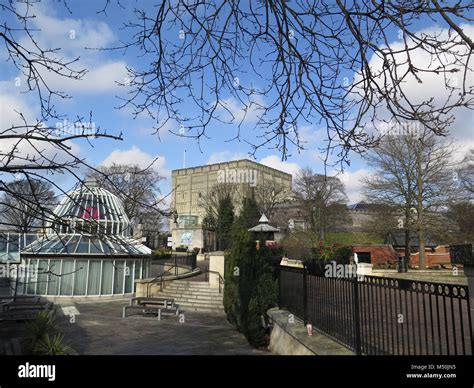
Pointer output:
192, 185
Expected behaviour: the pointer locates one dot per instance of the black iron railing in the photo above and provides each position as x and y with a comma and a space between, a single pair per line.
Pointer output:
177, 260
381, 316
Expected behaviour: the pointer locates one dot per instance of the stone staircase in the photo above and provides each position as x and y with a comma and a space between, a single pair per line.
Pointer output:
193, 296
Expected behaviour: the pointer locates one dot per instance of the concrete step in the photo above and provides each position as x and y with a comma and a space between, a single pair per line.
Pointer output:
190, 284
194, 296
179, 287
190, 298
195, 293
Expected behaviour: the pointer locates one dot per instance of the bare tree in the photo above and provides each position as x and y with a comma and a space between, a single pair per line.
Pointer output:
322, 198
22, 204
38, 148
414, 175
347, 66
211, 200
461, 214
466, 173
137, 188
269, 195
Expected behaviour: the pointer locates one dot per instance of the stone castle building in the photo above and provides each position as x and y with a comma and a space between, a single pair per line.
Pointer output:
192, 185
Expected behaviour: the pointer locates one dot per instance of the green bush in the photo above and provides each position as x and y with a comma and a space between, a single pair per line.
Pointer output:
52, 346
161, 255
323, 255
43, 325
44, 338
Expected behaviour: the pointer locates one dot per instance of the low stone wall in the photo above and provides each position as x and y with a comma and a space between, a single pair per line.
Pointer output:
289, 337
216, 264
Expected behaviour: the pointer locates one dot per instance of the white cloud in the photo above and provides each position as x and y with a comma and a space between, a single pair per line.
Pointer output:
135, 156
432, 83
71, 34
353, 182
275, 162
98, 79
73, 37
225, 156
28, 150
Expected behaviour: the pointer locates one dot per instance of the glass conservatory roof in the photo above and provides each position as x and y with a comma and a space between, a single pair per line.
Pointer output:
88, 221
11, 243
92, 209
77, 244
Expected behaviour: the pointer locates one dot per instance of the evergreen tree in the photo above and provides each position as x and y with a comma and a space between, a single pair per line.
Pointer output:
225, 219
250, 288
209, 222
250, 214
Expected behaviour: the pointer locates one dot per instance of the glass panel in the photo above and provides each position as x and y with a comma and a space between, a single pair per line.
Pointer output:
106, 247
137, 269
3, 243
95, 246
146, 271
80, 277
118, 276
42, 277
83, 246
129, 276
32, 271
107, 273
66, 280
94, 278
53, 281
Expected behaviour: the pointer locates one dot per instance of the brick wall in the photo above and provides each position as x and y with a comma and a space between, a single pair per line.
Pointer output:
379, 253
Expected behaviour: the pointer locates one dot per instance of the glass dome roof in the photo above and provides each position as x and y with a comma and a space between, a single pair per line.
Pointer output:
88, 221
91, 209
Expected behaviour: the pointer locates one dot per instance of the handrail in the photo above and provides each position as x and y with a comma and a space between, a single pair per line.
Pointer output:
155, 279
160, 277
221, 279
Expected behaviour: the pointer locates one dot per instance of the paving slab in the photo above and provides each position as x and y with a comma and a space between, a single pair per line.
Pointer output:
101, 330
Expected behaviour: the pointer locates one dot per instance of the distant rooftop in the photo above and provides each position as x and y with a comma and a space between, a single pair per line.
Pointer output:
232, 161
362, 206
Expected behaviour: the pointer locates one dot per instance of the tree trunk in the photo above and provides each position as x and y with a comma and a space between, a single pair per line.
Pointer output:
407, 245
407, 234
419, 209
421, 237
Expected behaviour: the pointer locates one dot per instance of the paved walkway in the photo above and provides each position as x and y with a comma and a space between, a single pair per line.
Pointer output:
100, 330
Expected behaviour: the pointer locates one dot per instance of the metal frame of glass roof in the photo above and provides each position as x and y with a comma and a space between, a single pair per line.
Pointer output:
87, 245
91, 221
91, 208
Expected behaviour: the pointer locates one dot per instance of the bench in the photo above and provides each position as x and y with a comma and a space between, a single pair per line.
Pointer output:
165, 302
158, 308
18, 316
159, 311
17, 306
20, 298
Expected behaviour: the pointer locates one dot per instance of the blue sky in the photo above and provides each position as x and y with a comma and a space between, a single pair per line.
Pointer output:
98, 92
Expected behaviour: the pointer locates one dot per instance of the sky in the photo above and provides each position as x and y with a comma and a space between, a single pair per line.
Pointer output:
76, 32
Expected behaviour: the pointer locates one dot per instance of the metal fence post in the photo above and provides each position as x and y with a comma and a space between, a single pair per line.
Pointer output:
305, 295
176, 265
358, 346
